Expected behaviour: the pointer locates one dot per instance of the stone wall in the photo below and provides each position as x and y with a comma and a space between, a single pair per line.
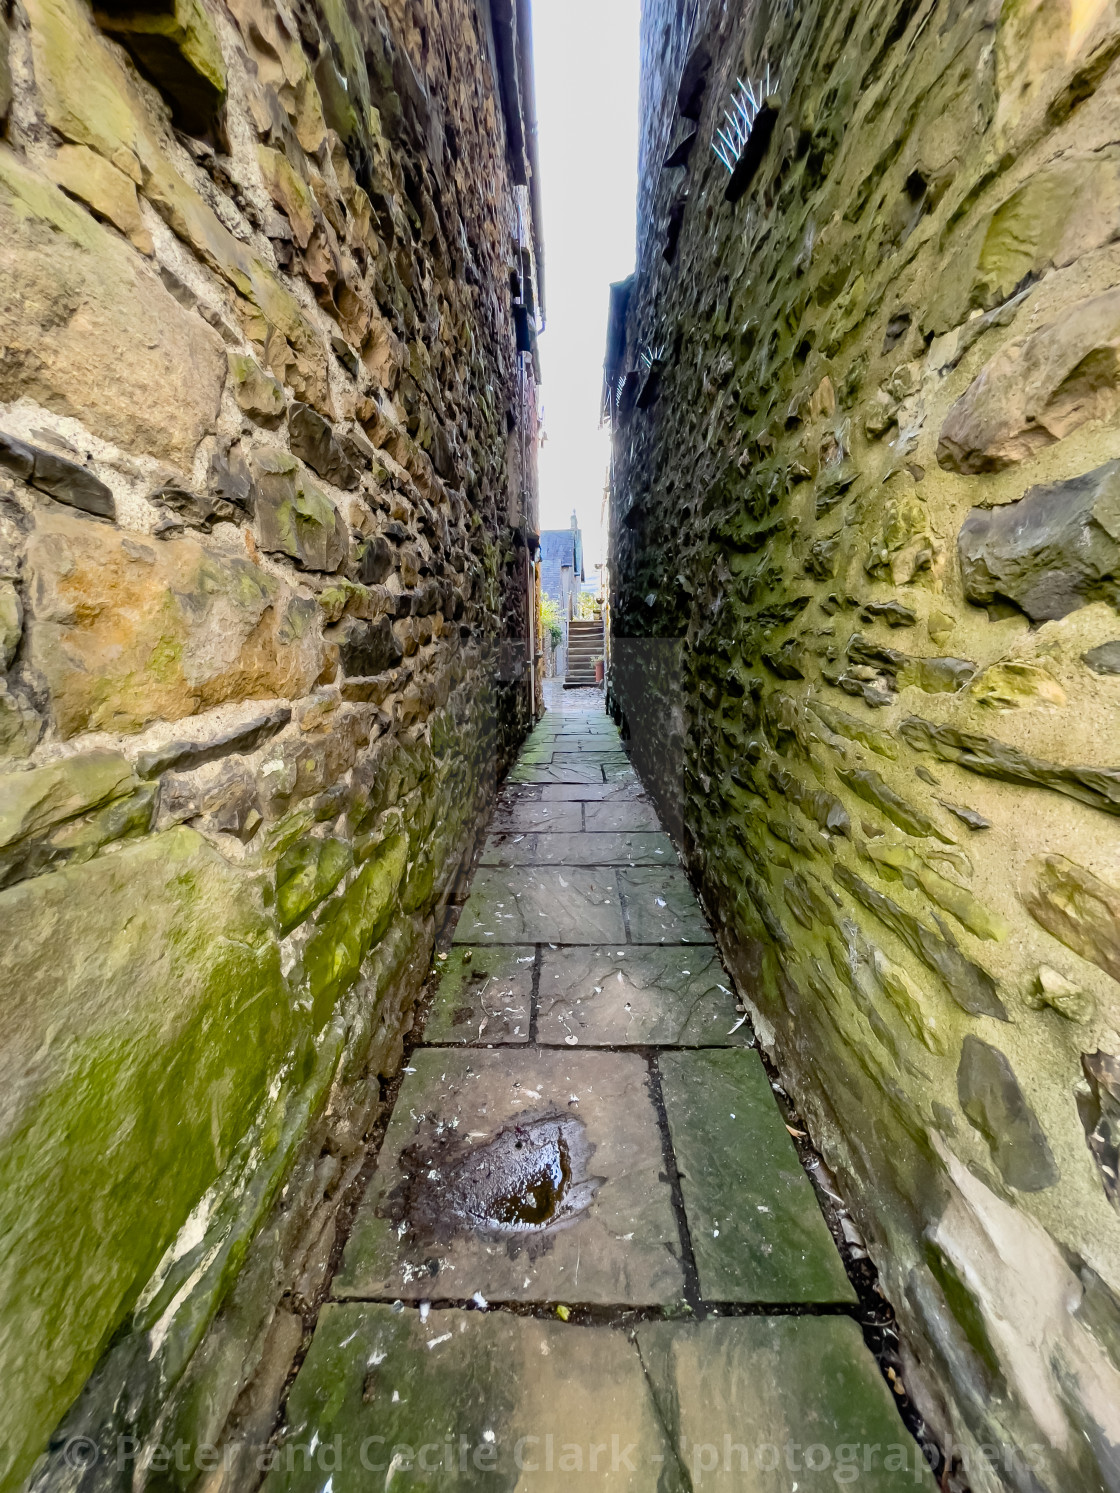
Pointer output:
267, 487
866, 488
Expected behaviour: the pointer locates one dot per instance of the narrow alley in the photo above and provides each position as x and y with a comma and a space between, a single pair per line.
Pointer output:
559, 769
589, 1246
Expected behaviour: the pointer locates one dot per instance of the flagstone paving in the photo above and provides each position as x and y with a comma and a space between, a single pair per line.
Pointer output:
584, 1183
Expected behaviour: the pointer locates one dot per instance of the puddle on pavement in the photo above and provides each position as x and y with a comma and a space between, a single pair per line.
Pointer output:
530, 1180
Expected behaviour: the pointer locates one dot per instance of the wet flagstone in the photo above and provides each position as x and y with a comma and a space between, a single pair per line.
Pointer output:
661, 907
619, 1242
757, 1232
559, 849
772, 1404
616, 815
484, 995
523, 816
524, 1165
596, 792
542, 905
471, 1400
620, 997
574, 772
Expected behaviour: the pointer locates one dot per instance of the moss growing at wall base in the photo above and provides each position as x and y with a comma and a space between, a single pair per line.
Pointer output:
134, 982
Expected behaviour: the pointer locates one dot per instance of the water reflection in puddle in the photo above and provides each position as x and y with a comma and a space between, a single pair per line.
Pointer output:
529, 1180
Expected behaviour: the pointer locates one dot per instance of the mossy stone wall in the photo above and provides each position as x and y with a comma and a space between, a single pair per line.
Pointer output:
866, 571
263, 562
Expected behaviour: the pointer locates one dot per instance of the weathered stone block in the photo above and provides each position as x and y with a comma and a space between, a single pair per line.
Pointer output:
368, 648
1098, 786
294, 516
307, 873
90, 331
5, 70
1056, 549
351, 924
990, 1096
183, 755
124, 631
133, 982
178, 49
258, 394
11, 623
1052, 991
1038, 390
1100, 1117
314, 442
84, 174
1078, 908
33, 802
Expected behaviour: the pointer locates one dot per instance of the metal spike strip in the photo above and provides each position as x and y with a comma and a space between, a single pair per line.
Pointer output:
746, 102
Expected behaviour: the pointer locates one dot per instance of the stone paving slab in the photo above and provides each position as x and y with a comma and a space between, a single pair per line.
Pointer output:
572, 904
576, 773
470, 1400
775, 1404
661, 906
619, 772
525, 1175
484, 995
620, 815
595, 792
473, 1400
757, 1232
557, 849
525, 815
637, 997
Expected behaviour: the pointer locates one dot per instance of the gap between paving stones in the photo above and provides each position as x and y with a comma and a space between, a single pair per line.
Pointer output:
872, 1313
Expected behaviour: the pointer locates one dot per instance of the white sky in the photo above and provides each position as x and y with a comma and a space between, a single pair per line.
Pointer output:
585, 56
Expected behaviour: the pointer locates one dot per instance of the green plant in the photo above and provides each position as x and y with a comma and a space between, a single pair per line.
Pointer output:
550, 619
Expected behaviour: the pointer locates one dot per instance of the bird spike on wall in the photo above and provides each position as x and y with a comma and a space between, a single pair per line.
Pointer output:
651, 355
746, 100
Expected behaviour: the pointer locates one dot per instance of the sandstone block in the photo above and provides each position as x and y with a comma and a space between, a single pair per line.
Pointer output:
1037, 390
183, 755
1062, 212
257, 393
178, 50
65, 480
1056, 549
82, 173
1078, 908
1052, 990
351, 924
34, 802
91, 332
11, 623
132, 981
368, 648
1099, 1111
306, 874
294, 516
5, 71
124, 632
990, 1096
314, 442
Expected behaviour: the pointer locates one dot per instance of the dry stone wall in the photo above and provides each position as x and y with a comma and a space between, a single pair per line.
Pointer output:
267, 443
866, 562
